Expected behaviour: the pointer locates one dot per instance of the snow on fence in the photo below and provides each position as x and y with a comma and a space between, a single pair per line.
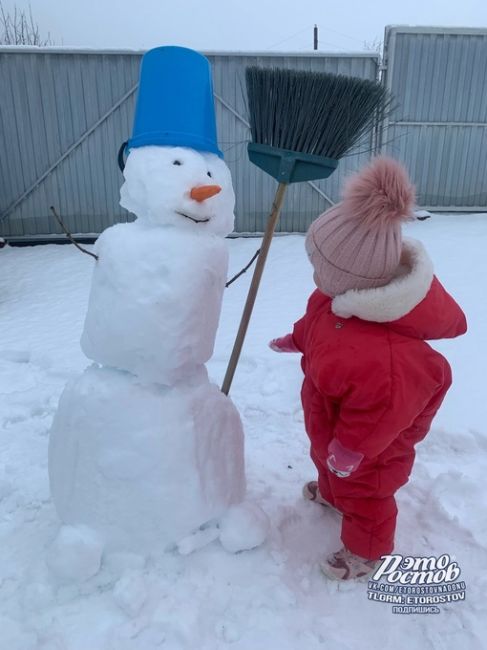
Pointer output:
64, 113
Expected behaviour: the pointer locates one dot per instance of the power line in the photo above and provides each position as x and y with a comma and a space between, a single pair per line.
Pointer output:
321, 41
288, 38
352, 38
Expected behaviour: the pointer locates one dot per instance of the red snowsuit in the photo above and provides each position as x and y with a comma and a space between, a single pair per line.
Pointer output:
376, 387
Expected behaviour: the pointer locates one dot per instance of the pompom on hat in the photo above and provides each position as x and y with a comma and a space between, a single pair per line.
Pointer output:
357, 243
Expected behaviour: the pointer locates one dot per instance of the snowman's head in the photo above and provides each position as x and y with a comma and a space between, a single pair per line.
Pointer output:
175, 186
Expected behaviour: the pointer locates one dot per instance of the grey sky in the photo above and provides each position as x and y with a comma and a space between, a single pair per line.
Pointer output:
282, 25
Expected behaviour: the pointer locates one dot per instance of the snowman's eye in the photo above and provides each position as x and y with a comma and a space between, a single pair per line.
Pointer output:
209, 174
177, 162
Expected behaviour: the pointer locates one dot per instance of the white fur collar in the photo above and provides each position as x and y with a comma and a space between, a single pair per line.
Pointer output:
396, 299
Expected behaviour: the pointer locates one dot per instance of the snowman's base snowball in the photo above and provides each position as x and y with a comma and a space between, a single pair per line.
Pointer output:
144, 465
243, 527
75, 554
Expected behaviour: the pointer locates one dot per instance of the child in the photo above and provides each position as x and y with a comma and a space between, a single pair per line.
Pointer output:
372, 384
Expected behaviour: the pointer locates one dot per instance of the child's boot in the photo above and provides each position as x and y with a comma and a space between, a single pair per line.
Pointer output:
312, 493
345, 565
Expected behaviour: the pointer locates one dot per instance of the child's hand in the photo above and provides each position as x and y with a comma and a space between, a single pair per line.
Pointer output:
342, 461
283, 344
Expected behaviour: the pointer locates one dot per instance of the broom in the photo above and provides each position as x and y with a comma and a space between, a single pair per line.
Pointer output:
301, 123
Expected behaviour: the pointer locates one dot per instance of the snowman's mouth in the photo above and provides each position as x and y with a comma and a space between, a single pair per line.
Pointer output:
187, 216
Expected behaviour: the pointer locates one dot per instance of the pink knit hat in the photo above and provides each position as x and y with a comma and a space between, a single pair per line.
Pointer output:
357, 243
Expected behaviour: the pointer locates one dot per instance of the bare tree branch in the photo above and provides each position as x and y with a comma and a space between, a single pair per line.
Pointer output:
246, 268
20, 28
70, 236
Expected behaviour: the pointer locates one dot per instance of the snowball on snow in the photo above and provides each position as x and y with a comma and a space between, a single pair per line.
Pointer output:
75, 554
243, 527
198, 539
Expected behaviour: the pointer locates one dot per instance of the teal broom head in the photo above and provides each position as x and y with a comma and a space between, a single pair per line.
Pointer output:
302, 122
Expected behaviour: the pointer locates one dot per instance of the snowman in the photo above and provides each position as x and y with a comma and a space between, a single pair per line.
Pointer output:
144, 450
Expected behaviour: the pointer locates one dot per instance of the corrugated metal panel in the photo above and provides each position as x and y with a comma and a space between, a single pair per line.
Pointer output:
50, 104
56, 102
439, 79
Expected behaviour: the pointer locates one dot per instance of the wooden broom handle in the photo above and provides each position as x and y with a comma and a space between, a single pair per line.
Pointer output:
254, 286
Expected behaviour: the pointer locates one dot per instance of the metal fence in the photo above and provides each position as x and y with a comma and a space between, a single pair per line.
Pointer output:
64, 114
438, 77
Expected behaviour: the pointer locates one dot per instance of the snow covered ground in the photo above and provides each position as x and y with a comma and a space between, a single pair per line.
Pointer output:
273, 597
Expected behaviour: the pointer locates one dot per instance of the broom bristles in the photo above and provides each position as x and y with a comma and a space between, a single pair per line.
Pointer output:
310, 112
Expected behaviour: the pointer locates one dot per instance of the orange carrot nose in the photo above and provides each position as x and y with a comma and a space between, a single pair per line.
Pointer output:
204, 192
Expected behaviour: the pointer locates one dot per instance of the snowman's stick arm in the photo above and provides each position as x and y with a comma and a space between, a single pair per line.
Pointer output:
70, 236
254, 286
244, 270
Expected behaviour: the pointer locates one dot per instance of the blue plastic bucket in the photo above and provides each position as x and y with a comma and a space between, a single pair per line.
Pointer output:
175, 105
